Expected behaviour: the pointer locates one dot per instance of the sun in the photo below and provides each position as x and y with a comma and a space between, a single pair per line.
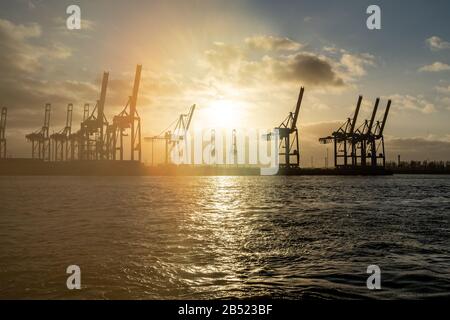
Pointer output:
222, 114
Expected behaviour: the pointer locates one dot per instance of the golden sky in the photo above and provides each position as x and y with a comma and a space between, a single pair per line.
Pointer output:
241, 62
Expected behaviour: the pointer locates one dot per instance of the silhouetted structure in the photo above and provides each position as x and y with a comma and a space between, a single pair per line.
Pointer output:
363, 147
60, 140
287, 129
172, 138
2, 133
40, 140
128, 118
96, 139
76, 139
92, 132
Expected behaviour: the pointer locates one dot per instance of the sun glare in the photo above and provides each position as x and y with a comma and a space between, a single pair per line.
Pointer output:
222, 114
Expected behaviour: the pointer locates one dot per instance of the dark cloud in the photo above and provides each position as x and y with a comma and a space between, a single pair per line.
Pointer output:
306, 68
233, 63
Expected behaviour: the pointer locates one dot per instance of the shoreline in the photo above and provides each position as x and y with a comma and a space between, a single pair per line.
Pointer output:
30, 167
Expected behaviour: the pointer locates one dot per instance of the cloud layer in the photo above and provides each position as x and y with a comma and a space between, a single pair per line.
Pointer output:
435, 67
435, 43
282, 60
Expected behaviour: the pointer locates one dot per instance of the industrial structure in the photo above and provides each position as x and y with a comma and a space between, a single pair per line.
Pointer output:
363, 146
175, 136
97, 139
128, 118
40, 139
288, 134
60, 140
76, 139
2, 133
92, 131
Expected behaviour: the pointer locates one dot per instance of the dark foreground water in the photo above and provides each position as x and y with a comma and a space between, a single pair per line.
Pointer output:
223, 237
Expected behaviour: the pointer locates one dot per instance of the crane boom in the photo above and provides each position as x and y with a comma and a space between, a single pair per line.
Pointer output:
133, 100
297, 109
101, 102
191, 113
68, 127
355, 117
385, 118
46, 126
372, 119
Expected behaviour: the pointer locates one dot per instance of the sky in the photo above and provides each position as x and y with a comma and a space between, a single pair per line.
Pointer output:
241, 62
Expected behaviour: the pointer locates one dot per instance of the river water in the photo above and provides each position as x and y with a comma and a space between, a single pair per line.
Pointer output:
225, 237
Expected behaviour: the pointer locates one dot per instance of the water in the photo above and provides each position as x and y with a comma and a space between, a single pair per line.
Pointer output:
224, 237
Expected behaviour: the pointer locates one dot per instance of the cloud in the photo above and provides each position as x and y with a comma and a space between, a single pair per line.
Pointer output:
32, 4
233, 63
272, 43
414, 103
305, 68
330, 49
18, 54
24, 88
435, 67
24, 54
446, 101
435, 43
60, 26
444, 90
222, 56
20, 31
355, 64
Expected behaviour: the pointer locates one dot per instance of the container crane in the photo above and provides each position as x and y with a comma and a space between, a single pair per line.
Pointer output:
364, 135
172, 138
377, 150
76, 139
128, 118
290, 148
40, 140
2, 133
368, 138
61, 138
93, 128
344, 140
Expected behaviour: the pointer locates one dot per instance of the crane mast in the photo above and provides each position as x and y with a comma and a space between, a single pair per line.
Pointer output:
2, 133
